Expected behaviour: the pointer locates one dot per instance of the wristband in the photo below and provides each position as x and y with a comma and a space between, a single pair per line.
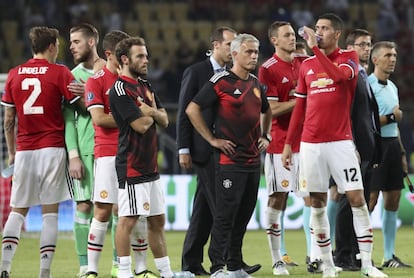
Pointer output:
390, 118
267, 136
73, 153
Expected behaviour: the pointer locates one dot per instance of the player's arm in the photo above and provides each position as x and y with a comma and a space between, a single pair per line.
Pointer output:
194, 114
281, 108
78, 89
296, 121
142, 124
403, 154
277, 108
395, 116
76, 168
338, 73
102, 119
266, 125
294, 130
9, 132
160, 116
188, 90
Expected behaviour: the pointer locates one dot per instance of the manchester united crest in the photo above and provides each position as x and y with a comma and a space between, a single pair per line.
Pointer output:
146, 206
285, 183
103, 194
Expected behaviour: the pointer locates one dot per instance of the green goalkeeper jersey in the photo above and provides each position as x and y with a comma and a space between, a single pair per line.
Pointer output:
79, 131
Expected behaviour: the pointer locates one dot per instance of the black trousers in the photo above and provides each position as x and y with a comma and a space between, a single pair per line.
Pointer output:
201, 218
236, 196
345, 238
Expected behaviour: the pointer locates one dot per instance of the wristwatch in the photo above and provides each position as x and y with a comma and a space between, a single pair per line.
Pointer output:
390, 118
267, 136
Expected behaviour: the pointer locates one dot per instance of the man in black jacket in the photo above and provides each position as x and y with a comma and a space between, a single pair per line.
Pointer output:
366, 134
194, 151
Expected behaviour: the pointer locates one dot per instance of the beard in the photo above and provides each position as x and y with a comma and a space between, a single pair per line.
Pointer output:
136, 72
84, 56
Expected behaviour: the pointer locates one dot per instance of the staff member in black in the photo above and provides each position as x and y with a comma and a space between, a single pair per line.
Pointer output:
242, 124
366, 134
194, 151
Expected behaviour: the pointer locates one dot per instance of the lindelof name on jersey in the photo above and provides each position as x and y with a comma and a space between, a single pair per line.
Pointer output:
321, 85
32, 70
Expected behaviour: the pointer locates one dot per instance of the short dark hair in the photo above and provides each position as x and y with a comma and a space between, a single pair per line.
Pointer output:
355, 34
382, 44
112, 38
124, 47
41, 37
217, 34
274, 27
87, 29
335, 20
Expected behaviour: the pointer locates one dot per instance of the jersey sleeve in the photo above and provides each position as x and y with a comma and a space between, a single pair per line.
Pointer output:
158, 102
300, 90
296, 122
265, 103
207, 95
270, 82
7, 96
65, 79
342, 72
93, 94
71, 136
69, 110
126, 108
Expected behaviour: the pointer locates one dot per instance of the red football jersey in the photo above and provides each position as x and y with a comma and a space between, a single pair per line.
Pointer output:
36, 89
280, 78
328, 102
97, 95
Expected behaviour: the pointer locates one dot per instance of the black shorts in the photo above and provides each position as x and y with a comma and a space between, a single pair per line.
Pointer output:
389, 174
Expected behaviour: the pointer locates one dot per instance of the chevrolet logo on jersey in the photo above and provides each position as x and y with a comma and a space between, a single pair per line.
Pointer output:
321, 83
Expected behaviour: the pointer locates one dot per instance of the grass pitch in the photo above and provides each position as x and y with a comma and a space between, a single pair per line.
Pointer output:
255, 250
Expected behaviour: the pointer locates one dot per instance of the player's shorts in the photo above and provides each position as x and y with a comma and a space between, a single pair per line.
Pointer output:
144, 199
278, 178
39, 178
389, 174
105, 189
82, 189
318, 161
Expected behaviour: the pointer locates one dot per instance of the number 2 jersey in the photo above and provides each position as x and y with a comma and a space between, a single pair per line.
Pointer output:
36, 90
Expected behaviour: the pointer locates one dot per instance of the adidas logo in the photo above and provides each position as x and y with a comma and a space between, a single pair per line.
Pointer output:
7, 247
45, 256
237, 92
285, 80
310, 72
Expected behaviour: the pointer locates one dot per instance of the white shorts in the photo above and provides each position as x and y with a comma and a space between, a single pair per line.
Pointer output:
279, 179
39, 178
144, 199
105, 189
320, 161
